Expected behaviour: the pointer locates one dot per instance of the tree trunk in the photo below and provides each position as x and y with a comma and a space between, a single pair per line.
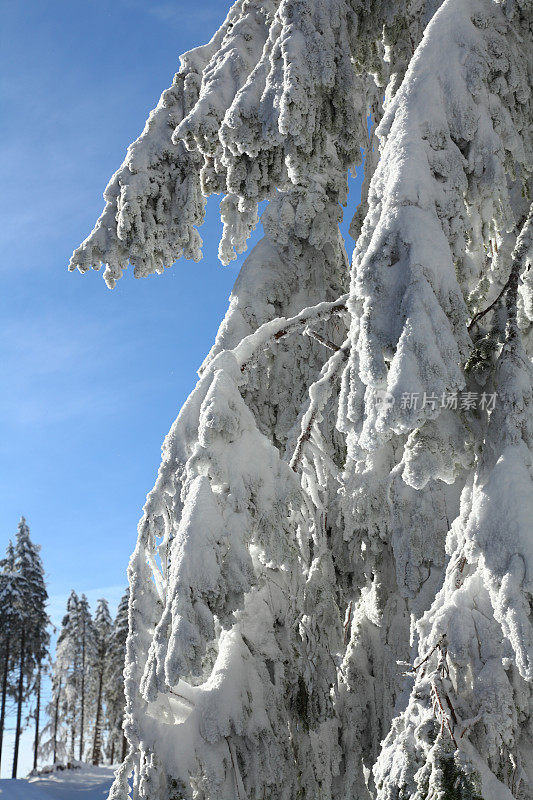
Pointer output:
37, 713
97, 744
56, 720
5, 677
72, 740
19, 704
124, 745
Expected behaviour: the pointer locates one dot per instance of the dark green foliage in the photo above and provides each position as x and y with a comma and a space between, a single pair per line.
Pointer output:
456, 784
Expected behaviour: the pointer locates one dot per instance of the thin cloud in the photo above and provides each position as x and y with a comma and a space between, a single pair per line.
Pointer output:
58, 368
175, 13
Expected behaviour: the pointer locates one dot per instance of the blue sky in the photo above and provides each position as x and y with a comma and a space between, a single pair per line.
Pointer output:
92, 378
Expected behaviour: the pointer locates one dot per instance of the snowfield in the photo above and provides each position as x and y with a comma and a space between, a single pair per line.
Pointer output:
87, 783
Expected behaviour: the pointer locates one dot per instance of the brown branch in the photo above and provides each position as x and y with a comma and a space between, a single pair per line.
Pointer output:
481, 314
517, 259
347, 624
450, 706
416, 667
322, 339
460, 568
437, 702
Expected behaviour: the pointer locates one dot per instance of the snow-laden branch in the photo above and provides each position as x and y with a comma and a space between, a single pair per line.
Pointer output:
259, 556
319, 394
520, 253
271, 332
322, 339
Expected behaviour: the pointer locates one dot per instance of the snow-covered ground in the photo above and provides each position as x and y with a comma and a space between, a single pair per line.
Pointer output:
87, 783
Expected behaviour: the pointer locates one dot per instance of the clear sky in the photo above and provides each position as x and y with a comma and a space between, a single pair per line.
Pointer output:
92, 378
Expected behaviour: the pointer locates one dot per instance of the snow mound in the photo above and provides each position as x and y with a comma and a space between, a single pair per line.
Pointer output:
87, 783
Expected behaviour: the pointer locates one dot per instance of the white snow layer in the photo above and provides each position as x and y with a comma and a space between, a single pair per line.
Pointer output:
86, 783
331, 590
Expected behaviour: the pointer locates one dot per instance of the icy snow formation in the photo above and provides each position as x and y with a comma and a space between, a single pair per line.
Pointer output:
331, 591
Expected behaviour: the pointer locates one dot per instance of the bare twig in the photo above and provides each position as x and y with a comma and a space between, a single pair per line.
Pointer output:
182, 697
322, 339
347, 623
466, 724
416, 667
481, 314
440, 713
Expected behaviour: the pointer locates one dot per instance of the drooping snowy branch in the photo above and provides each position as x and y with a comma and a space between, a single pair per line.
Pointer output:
319, 393
154, 202
414, 260
276, 329
271, 608
273, 102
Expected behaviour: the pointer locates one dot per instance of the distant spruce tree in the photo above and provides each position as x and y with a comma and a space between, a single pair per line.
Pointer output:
72, 708
114, 694
86, 648
9, 626
54, 736
65, 675
103, 634
32, 636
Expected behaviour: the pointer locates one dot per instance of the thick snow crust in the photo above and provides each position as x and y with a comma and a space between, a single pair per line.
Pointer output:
86, 783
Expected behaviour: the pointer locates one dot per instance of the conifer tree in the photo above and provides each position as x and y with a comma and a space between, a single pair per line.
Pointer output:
54, 736
33, 636
103, 628
86, 649
9, 626
115, 700
37, 691
74, 683
330, 595
66, 680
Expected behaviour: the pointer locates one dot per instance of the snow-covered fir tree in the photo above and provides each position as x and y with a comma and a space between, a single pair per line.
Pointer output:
54, 736
65, 696
86, 656
331, 593
10, 623
83, 640
73, 683
115, 700
103, 630
33, 638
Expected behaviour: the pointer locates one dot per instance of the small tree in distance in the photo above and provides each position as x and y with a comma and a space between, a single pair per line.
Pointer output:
114, 688
100, 692
32, 637
103, 629
331, 591
10, 622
